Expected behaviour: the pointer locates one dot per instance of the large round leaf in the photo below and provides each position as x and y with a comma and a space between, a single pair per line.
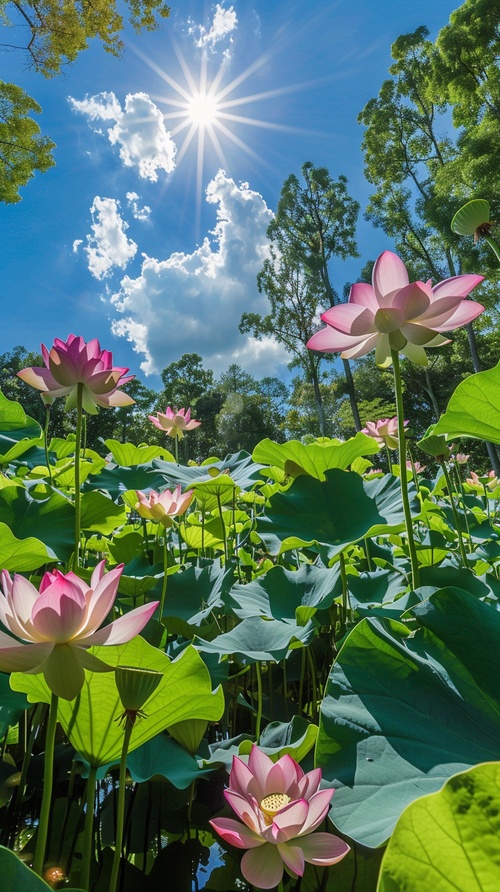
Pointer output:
335, 512
256, 639
21, 555
314, 458
474, 408
280, 593
91, 720
404, 711
51, 520
449, 841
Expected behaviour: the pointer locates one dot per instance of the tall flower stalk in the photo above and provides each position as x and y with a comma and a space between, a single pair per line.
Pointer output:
398, 390
79, 414
393, 316
48, 777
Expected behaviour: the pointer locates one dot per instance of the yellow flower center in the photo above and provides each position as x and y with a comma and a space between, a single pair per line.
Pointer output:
272, 804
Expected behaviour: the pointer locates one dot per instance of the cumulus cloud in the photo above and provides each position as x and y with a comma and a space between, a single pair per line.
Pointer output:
139, 131
192, 303
139, 213
223, 24
107, 246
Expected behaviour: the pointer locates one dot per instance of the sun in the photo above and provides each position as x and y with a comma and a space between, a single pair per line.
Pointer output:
205, 111
202, 110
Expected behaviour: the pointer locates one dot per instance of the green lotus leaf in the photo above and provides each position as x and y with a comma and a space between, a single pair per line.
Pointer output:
91, 720
256, 639
203, 534
127, 455
17, 875
194, 593
335, 512
50, 520
164, 756
12, 705
470, 216
315, 458
18, 432
405, 710
448, 841
118, 480
21, 555
239, 467
280, 592
474, 408
101, 515
295, 738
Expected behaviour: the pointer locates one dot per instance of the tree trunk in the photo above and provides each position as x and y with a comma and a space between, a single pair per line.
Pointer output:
319, 401
352, 395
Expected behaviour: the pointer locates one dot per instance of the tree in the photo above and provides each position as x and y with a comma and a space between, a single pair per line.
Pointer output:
55, 32
466, 75
315, 221
184, 382
22, 149
243, 421
407, 153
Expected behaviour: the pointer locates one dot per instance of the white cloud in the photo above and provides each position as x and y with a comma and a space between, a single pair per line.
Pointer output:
139, 131
192, 303
139, 213
108, 245
223, 24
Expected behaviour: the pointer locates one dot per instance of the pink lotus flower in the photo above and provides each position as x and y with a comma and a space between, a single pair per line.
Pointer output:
489, 480
174, 423
384, 431
460, 458
73, 362
165, 505
395, 314
419, 469
58, 624
280, 807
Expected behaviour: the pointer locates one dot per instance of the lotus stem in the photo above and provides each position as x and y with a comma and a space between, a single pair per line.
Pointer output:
389, 459
464, 504
314, 691
302, 676
402, 467
79, 413
346, 606
45, 440
165, 568
456, 518
48, 778
120, 807
258, 720
224, 537
88, 830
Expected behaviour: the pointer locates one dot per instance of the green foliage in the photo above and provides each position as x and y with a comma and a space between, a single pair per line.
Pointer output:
56, 32
448, 840
315, 222
91, 721
335, 512
403, 711
22, 148
474, 408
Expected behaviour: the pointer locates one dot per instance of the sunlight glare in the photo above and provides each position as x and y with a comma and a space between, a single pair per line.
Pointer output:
202, 110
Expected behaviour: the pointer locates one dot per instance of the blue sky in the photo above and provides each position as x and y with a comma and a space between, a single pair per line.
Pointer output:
152, 242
